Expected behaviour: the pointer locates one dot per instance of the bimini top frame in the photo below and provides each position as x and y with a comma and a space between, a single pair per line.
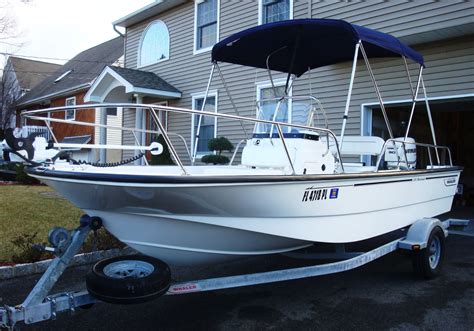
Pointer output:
305, 44
302, 45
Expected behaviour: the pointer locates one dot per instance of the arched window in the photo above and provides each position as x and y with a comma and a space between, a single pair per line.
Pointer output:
155, 44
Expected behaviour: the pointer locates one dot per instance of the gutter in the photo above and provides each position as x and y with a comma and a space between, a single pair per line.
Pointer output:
56, 94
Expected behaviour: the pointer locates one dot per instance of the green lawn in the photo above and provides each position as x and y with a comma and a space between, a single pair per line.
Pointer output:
29, 209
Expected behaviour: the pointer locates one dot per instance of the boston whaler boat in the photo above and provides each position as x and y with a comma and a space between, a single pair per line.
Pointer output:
296, 184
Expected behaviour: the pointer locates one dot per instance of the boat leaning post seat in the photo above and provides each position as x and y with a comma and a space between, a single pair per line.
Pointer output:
307, 152
358, 146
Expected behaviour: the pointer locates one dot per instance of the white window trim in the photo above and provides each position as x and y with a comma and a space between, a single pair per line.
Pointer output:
206, 49
65, 112
260, 11
267, 84
139, 64
201, 95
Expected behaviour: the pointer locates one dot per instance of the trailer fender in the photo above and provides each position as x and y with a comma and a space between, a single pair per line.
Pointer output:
419, 233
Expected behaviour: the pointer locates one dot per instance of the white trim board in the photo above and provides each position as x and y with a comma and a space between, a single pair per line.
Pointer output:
201, 95
260, 11
205, 49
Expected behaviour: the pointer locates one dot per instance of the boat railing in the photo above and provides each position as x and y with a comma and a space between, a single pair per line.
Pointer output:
311, 102
307, 116
184, 143
236, 150
153, 110
403, 143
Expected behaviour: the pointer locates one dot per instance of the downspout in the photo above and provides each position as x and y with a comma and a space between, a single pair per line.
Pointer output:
120, 33
124, 36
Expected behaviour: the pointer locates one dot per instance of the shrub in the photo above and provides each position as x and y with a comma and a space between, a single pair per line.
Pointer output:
9, 166
215, 159
218, 144
28, 253
103, 241
22, 177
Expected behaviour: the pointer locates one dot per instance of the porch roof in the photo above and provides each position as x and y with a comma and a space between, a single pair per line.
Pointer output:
134, 81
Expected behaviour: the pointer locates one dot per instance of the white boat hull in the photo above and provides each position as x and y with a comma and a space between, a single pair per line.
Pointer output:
189, 223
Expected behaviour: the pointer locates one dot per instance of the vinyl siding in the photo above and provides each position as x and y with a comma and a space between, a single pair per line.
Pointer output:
113, 136
449, 62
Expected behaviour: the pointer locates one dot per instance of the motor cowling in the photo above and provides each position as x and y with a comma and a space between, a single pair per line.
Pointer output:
396, 151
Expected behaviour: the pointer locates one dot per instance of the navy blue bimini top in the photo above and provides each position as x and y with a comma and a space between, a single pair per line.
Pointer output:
300, 45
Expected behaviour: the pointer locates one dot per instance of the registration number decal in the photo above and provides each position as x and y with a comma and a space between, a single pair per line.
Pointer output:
318, 194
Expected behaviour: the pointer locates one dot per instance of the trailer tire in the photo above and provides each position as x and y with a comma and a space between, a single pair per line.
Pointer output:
128, 279
428, 262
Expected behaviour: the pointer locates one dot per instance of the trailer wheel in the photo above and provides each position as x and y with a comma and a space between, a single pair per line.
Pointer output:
427, 263
128, 279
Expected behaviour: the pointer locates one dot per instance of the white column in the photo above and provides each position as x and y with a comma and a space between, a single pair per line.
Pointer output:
103, 134
138, 125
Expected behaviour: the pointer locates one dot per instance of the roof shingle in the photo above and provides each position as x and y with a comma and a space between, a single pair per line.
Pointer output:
31, 72
144, 79
84, 67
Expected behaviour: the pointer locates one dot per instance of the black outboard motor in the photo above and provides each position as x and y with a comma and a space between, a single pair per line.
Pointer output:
18, 144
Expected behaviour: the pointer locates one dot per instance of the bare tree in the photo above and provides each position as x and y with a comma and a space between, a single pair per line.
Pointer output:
9, 93
10, 34
9, 40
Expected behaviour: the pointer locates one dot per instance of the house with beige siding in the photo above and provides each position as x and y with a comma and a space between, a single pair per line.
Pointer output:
173, 40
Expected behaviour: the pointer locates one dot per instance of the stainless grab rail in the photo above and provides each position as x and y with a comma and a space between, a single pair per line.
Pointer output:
402, 142
236, 150
31, 115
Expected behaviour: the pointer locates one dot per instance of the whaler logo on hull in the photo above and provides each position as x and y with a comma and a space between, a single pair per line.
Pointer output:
315, 194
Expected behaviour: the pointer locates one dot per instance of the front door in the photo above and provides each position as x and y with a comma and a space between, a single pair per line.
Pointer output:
152, 125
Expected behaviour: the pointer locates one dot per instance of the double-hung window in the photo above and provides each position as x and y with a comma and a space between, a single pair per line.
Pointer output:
70, 114
207, 129
206, 24
275, 10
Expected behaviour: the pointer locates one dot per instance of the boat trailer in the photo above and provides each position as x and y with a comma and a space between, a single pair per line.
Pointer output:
39, 306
